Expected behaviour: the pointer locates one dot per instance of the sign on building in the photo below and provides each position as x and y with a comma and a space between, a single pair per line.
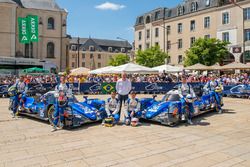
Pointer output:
28, 29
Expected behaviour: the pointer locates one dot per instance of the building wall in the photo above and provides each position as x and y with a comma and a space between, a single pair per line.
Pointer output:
216, 29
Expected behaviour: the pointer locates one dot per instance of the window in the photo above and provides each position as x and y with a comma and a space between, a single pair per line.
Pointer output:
192, 25
28, 50
156, 32
83, 64
91, 56
180, 59
110, 49
206, 22
83, 55
207, 36
51, 23
169, 13
247, 34
180, 28
73, 64
91, 48
192, 40
140, 35
73, 56
73, 47
225, 36
99, 56
156, 43
147, 45
207, 3
140, 20
168, 30
40, 21
225, 18
194, 6
148, 34
179, 43
157, 15
123, 50
99, 65
147, 19
50, 50
247, 14
140, 47
169, 45
180, 10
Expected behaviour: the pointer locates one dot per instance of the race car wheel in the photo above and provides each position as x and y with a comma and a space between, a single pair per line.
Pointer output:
51, 115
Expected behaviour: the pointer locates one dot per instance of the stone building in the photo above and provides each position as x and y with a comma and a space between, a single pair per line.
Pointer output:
175, 29
95, 53
53, 42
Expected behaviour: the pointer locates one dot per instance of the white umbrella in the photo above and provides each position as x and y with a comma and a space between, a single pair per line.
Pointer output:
131, 68
79, 71
168, 68
101, 70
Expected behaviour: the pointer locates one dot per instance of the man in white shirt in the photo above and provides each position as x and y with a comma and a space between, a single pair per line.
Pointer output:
123, 87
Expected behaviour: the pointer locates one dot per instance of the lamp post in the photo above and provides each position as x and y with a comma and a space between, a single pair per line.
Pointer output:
78, 52
243, 24
130, 54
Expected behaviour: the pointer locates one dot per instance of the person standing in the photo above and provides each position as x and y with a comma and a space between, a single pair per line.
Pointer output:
123, 88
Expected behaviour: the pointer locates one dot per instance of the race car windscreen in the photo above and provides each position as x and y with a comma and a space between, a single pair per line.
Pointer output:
171, 97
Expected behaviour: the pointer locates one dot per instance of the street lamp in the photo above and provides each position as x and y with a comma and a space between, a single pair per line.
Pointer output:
244, 44
78, 52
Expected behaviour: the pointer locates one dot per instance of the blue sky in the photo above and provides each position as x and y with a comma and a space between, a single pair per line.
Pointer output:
108, 19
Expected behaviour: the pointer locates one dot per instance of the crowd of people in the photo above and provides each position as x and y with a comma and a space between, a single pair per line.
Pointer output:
226, 79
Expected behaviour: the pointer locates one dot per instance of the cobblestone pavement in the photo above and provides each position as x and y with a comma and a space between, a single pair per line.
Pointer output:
215, 140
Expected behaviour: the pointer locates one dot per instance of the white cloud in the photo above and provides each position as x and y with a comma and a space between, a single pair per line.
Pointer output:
130, 28
110, 6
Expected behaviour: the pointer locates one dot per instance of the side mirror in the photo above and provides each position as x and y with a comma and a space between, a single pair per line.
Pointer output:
85, 98
154, 96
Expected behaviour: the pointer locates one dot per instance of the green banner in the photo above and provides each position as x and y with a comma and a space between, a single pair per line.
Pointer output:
33, 28
107, 88
23, 30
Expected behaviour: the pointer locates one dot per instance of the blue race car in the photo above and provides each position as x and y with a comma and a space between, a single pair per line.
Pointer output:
168, 110
76, 113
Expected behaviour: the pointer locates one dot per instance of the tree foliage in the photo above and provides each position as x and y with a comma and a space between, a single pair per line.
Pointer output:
119, 59
151, 57
206, 51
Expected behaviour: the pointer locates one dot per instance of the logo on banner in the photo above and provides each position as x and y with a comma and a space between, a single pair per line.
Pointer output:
152, 87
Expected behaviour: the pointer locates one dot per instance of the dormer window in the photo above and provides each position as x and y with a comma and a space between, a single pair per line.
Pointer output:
140, 20
110, 49
157, 15
207, 2
194, 6
91, 48
180, 10
148, 20
123, 50
73, 47
169, 13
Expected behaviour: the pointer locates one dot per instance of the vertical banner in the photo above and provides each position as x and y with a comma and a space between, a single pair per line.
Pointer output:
23, 30
33, 27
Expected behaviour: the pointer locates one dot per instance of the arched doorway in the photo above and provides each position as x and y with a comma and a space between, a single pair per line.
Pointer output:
247, 57
228, 59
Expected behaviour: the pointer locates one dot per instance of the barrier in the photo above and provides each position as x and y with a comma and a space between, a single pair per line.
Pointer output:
142, 87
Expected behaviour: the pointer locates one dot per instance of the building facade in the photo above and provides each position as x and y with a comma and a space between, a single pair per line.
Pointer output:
53, 41
175, 29
95, 53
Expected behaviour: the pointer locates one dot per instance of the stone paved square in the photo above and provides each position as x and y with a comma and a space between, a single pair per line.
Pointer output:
214, 140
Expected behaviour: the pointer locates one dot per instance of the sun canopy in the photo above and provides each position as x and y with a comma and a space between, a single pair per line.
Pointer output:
131, 68
168, 68
80, 71
101, 70
197, 66
215, 67
235, 66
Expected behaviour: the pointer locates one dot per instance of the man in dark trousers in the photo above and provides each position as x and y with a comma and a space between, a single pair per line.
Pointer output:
123, 87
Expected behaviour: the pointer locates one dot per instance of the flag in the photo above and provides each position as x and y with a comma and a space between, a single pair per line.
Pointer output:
23, 30
107, 88
33, 27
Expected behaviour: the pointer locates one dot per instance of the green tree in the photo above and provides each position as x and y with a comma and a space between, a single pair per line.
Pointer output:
119, 59
206, 51
151, 57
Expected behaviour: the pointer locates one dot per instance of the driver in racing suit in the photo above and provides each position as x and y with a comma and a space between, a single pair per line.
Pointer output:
62, 93
21, 88
132, 108
112, 107
185, 90
211, 87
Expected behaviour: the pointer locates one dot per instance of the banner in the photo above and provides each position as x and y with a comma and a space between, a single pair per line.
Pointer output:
107, 88
23, 30
33, 27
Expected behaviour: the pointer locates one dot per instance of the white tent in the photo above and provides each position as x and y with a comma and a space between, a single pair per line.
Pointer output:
168, 68
131, 68
101, 70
